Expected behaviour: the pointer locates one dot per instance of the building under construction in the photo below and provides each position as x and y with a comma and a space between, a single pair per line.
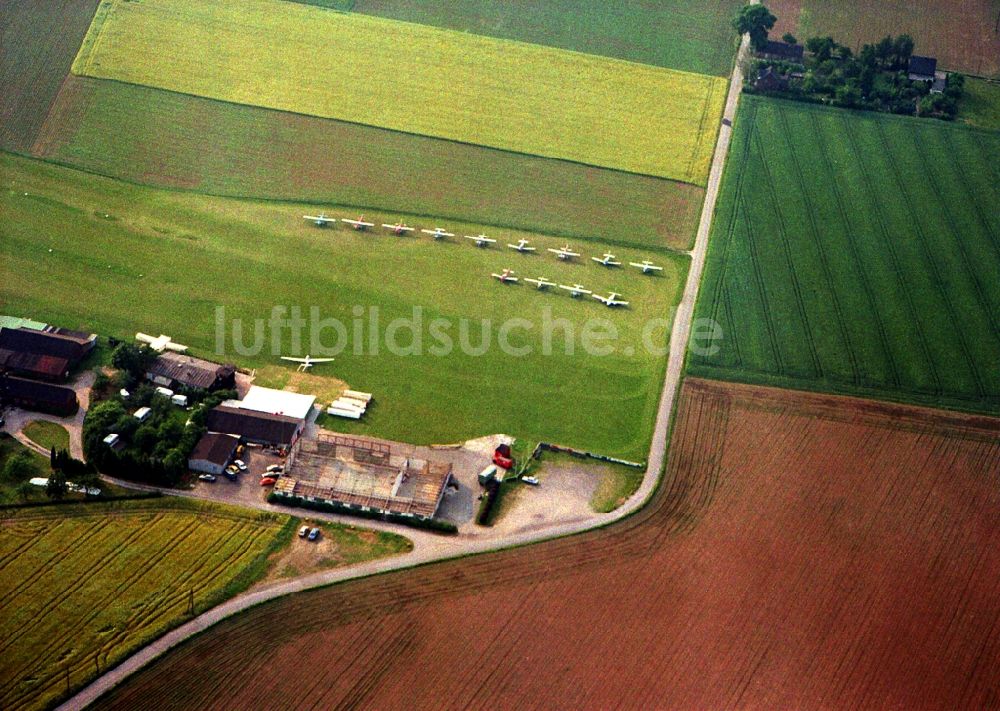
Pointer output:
363, 474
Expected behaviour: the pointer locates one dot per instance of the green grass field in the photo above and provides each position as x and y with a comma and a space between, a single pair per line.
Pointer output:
962, 34
413, 78
860, 253
89, 584
159, 137
127, 258
980, 104
47, 434
679, 34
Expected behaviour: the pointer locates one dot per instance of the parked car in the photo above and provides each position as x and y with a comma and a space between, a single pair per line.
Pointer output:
314, 534
530, 480
268, 481
303, 532
240, 464
275, 469
207, 477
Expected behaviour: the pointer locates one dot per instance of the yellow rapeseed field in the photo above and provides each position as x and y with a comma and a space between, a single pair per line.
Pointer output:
414, 78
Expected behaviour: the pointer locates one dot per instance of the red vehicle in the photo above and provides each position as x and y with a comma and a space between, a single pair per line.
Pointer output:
502, 457
267, 481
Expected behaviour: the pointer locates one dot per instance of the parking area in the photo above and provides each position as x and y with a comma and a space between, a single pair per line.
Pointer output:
246, 489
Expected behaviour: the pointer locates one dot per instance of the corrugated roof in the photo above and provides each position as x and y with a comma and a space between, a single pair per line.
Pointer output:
260, 426
33, 363
192, 372
26, 340
18, 322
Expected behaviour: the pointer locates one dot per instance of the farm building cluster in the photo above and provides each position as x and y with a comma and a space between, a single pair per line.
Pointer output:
35, 359
364, 475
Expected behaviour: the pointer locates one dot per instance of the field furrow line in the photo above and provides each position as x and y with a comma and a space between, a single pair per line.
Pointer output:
956, 235
935, 272
814, 234
758, 274
786, 248
963, 178
875, 312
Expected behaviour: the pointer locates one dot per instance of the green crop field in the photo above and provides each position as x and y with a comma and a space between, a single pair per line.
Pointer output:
86, 585
159, 137
38, 41
127, 258
857, 252
413, 78
980, 104
962, 34
679, 34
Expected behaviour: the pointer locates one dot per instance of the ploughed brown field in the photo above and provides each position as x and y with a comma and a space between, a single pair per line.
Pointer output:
805, 551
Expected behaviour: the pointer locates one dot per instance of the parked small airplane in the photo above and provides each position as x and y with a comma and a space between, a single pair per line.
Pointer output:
438, 233
541, 282
611, 300
646, 266
506, 276
160, 343
521, 246
481, 240
564, 253
399, 228
320, 220
307, 362
576, 291
359, 224
608, 260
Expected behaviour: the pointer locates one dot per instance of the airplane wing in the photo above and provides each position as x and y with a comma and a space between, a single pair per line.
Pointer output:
317, 360
297, 360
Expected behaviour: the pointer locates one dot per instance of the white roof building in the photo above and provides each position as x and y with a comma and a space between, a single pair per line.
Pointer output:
276, 402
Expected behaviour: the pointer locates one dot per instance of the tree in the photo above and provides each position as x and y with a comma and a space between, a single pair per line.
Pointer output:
821, 48
754, 20
25, 490
133, 359
902, 49
18, 468
56, 488
789, 38
848, 95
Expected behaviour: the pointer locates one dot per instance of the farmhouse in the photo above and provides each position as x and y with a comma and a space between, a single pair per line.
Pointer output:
213, 453
255, 427
72, 346
782, 51
37, 396
922, 68
176, 370
363, 475
770, 80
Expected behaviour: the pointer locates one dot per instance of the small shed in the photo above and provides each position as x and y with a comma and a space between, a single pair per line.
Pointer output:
213, 453
922, 68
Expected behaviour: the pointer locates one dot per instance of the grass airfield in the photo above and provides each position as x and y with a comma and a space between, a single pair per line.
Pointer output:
127, 258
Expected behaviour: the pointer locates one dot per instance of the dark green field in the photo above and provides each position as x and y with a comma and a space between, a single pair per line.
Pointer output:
38, 41
161, 138
679, 34
857, 252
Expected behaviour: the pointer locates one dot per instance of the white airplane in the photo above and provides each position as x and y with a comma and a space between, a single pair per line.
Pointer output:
541, 282
611, 300
521, 246
307, 362
646, 266
321, 220
399, 228
576, 291
564, 253
608, 260
160, 343
359, 224
481, 240
438, 233
506, 276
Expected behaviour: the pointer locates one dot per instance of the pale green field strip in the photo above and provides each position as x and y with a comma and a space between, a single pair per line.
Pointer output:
407, 77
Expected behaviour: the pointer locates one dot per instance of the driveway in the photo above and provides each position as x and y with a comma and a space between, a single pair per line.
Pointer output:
16, 418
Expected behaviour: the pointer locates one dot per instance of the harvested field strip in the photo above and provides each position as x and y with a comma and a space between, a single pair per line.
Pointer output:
162, 138
413, 78
38, 41
678, 34
99, 580
871, 275
800, 547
